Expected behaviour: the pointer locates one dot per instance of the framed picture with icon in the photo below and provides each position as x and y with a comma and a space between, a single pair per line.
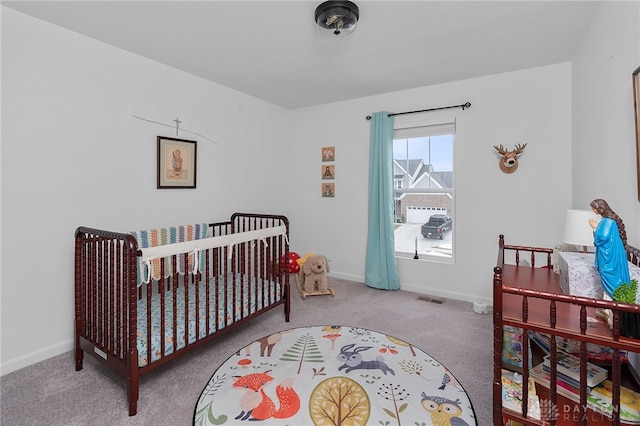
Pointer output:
328, 171
176, 163
329, 153
328, 190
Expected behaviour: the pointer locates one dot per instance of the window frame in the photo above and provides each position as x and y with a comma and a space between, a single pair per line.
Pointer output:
443, 125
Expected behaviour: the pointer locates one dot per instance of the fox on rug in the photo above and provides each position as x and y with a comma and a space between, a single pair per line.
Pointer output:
256, 405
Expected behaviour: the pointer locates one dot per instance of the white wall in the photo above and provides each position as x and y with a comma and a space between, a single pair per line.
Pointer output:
72, 154
604, 139
604, 142
68, 138
531, 106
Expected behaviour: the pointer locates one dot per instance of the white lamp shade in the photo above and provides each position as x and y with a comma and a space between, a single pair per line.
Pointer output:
577, 230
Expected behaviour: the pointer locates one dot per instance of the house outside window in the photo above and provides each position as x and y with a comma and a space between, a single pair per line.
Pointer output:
423, 187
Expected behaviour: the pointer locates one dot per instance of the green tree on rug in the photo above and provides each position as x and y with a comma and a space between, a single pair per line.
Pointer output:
305, 349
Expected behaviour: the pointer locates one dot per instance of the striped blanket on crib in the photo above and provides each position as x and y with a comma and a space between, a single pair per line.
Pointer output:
163, 236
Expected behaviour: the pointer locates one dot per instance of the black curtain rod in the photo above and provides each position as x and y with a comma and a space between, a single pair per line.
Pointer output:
463, 106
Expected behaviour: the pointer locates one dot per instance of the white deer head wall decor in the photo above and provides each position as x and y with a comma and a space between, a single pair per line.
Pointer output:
509, 159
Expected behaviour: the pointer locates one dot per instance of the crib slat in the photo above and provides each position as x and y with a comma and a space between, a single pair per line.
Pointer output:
174, 301
163, 288
216, 286
91, 287
187, 279
148, 290
109, 297
207, 294
117, 308
95, 302
196, 313
244, 270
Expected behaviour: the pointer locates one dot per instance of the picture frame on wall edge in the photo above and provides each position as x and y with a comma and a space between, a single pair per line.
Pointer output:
636, 114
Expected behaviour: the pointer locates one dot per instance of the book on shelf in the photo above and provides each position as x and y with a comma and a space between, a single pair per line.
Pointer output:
595, 352
599, 398
568, 366
512, 394
629, 401
512, 347
564, 378
543, 378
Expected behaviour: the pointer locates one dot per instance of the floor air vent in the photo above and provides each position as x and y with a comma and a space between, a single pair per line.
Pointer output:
431, 299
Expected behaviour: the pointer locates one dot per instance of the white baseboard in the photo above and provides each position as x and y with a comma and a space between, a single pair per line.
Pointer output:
447, 294
34, 357
424, 290
349, 277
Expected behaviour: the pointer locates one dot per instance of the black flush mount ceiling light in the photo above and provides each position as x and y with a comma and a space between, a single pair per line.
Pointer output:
338, 18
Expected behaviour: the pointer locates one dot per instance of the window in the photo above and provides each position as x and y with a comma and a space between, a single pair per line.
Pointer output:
423, 188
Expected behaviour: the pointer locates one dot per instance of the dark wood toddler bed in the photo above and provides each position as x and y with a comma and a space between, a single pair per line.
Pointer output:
140, 304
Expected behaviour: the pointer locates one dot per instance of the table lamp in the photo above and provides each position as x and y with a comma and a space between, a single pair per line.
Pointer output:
577, 230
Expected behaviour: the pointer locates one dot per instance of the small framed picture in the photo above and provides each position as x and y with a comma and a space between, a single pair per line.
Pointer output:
176, 163
329, 153
328, 171
328, 190
636, 114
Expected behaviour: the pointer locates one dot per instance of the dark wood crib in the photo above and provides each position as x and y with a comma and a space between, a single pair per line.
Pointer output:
134, 312
528, 298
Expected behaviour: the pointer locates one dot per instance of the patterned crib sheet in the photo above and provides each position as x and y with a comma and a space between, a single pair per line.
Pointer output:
262, 293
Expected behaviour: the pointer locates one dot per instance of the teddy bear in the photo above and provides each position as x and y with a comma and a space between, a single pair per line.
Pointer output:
312, 277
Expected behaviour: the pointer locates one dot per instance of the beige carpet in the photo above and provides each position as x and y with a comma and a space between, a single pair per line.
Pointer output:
53, 393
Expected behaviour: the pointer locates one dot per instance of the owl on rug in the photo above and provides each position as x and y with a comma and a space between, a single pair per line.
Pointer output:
444, 412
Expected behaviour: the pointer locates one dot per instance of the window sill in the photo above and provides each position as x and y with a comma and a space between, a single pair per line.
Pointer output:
438, 258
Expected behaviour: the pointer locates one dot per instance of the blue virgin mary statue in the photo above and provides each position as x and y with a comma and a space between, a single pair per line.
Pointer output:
611, 256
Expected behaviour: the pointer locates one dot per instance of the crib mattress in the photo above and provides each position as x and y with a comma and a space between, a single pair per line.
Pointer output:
251, 295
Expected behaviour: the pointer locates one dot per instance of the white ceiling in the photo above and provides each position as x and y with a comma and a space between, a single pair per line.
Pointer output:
273, 50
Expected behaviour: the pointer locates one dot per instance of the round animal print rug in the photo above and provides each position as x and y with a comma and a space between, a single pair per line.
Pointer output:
333, 375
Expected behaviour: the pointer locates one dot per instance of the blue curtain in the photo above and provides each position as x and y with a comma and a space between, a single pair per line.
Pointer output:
381, 270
